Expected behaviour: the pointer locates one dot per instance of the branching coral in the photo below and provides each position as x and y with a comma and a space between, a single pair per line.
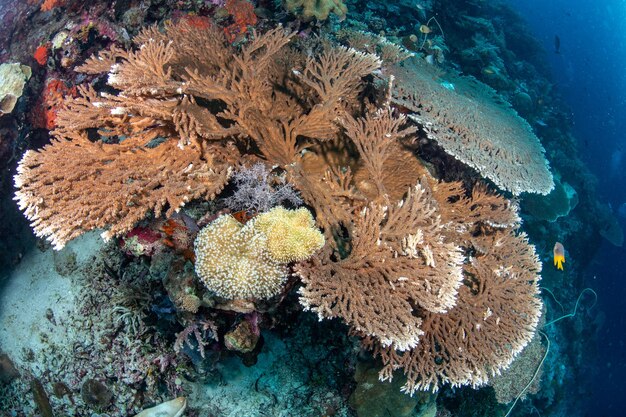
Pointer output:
439, 284
494, 318
399, 265
165, 146
93, 185
389, 52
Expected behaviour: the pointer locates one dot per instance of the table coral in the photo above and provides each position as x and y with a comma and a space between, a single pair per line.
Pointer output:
474, 125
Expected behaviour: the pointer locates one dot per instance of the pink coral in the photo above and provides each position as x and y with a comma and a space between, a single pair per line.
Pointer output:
141, 241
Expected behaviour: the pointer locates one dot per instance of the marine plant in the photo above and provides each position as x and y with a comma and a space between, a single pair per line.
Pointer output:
435, 277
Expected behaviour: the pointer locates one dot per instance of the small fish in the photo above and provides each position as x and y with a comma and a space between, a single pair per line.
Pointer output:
559, 255
425, 29
242, 216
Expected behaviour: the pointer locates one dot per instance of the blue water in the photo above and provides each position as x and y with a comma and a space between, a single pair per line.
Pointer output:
590, 72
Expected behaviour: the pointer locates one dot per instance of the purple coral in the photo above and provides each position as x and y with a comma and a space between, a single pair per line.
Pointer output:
202, 331
257, 190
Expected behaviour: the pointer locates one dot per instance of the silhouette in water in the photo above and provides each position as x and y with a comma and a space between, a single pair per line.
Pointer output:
557, 44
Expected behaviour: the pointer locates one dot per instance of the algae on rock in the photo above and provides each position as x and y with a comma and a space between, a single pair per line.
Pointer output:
316, 9
13, 77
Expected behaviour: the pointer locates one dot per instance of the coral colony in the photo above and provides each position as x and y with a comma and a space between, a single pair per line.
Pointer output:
240, 176
410, 253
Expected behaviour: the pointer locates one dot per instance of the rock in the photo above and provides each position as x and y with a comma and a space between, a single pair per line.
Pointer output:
243, 338
60, 390
8, 372
180, 284
173, 408
41, 398
611, 230
96, 393
523, 103
558, 203
13, 77
65, 262
374, 398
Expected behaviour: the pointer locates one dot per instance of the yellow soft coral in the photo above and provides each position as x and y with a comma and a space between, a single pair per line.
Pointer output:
291, 234
249, 261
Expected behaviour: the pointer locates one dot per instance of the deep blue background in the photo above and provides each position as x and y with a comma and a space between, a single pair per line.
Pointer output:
590, 72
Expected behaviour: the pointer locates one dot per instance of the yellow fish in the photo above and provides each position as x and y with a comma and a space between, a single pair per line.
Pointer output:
559, 255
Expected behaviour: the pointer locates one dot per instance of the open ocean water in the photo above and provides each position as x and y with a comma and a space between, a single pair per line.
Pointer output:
590, 72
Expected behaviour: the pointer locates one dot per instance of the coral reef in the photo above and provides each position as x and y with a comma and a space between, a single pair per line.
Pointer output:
440, 254
150, 177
